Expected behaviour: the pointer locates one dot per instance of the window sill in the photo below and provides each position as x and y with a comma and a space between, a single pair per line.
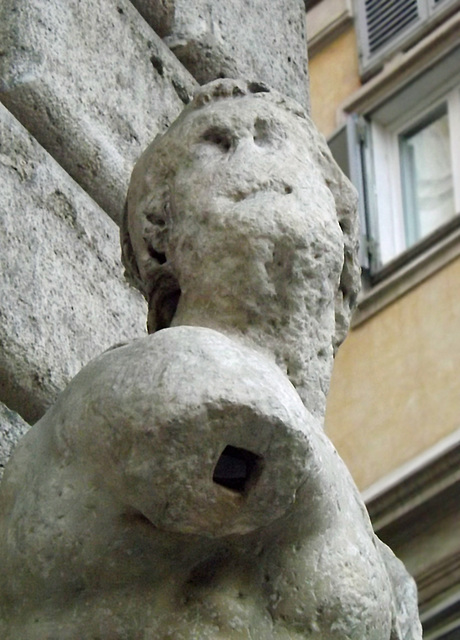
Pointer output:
409, 270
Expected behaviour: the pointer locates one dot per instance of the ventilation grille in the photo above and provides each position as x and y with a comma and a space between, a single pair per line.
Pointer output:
387, 18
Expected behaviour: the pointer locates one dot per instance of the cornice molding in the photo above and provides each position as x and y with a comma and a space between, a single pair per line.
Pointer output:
435, 256
405, 505
428, 477
325, 22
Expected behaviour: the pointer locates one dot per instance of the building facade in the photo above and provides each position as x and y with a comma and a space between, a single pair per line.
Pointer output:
385, 91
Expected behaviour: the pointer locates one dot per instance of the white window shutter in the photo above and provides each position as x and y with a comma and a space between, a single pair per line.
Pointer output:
385, 25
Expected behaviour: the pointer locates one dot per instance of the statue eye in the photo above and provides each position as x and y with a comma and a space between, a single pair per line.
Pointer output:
155, 218
220, 137
268, 133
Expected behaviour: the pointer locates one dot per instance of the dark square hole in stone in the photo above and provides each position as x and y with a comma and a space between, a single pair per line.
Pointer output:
236, 468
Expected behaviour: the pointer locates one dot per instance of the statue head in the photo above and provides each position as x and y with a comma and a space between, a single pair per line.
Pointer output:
232, 208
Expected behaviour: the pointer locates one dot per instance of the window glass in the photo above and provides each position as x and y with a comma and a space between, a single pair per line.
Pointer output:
426, 176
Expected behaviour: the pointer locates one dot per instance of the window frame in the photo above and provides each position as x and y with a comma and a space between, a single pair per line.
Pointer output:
387, 211
428, 65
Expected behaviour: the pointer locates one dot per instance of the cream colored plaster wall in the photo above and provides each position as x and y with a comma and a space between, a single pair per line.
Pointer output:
396, 384
334, 76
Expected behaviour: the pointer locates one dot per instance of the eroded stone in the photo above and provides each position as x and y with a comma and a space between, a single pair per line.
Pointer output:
133, 532
180, 487
239, 219
63, 296
255, 39
12, 428
93, 83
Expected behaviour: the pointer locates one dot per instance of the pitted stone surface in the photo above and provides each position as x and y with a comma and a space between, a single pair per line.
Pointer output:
63, 297
93, 83
255, 39
158, 13
12, 428
180, 487
131, 536
239, 219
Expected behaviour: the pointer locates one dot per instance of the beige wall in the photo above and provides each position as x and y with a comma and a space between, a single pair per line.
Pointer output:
333, 77
396, 383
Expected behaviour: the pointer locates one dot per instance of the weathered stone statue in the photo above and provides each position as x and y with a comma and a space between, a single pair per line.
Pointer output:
240, 220
182, 488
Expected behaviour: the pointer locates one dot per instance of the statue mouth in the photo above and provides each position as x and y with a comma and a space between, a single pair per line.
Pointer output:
269, 186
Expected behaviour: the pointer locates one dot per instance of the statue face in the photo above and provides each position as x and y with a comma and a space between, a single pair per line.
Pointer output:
232, 225
239, 220
251, 224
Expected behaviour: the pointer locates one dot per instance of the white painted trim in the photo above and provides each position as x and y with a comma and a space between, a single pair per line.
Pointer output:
454, 126
414, 112
405, 471
387, 161
407, 277
326, 21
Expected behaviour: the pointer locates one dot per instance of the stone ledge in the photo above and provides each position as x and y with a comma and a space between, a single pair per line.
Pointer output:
326, 21
421, 497
262, 41
415, 484
93, 83
63, 298
435, 256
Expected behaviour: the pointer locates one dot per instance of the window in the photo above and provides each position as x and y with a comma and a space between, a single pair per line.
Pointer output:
413, 175
402, 154
385, 27
426, 175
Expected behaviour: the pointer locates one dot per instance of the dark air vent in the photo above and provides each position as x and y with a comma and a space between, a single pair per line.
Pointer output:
387, 18
237, 468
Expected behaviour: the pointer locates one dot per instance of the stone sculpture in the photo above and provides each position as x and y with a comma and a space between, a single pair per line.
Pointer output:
182, 488
239, 220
